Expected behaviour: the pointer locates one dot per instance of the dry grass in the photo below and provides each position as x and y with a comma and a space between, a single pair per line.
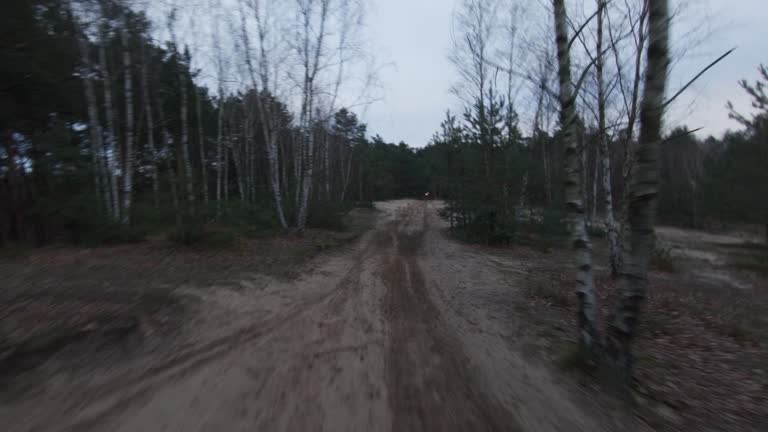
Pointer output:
701, 352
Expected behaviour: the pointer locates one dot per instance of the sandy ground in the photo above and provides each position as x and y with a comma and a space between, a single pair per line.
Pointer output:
402, 330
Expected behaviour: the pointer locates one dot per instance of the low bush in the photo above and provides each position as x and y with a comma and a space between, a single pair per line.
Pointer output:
328, 215
662, 259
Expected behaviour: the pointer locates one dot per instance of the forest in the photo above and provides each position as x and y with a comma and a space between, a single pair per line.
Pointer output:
108, 134
124, 121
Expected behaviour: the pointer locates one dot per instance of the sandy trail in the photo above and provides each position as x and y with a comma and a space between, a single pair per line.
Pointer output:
404, 330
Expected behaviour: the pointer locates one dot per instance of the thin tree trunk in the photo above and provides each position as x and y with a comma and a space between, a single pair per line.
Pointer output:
95, 129
226, 173
306, 181
326, 165
643, 197
595, 181
610, 222
166, 150
150, 127
112, 153
584, 177
629, 151
360, 180
347, 175
269, 126
311, 65
547, 171
219, 152
298, 164
201, 141
238, 162
587, 309
184, 144
128, 155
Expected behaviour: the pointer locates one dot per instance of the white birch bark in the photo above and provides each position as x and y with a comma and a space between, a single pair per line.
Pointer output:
201, 141
94, 125
184, 144
150, 127
311, 54
128, 164
112, 153
267, 118
582, 249
347, 174
185, 166
166, 151
631, 107
604, 151
643, 196
219, 149
326, 165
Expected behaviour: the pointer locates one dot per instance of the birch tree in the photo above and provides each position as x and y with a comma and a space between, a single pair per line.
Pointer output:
201, 144
633, 280
184, 163
630, 91
602, 138
582, 249
94, 125
310, 49
267, 65
112, 152
128, 165
149, 115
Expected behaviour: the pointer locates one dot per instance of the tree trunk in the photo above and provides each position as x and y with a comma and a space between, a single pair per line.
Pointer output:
610, 222
587, 308
347, 173
94, 126
643, 197
629, 150
595, 181
269, 126
112, 150
201, 141
326, 165
219, 153
165, 150
184, 144
360, 180
274, 178
307, 176
128, 155
239, 169
150, 127
547, 172
226, 173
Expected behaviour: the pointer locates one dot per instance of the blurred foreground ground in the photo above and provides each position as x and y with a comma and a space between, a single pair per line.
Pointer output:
398, 328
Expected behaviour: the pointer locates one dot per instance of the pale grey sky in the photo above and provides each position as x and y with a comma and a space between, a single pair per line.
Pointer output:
414, 36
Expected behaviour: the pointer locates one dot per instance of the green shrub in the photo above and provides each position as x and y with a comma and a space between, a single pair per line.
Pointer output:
597, 232
114, 233
553, 224
248, 219
662, 259
194, 234
364, 204
328, 216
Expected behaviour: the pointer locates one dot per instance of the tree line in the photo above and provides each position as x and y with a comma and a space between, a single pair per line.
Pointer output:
108, 127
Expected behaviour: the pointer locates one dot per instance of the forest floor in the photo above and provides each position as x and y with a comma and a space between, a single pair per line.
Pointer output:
702, 351
400, 329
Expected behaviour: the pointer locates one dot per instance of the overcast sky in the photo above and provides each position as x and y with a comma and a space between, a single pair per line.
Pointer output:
413, 38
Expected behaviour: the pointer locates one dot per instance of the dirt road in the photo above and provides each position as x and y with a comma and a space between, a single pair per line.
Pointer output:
404, 330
